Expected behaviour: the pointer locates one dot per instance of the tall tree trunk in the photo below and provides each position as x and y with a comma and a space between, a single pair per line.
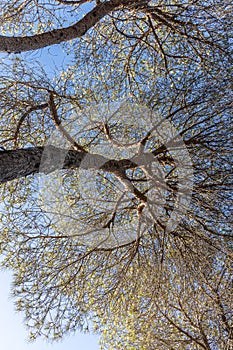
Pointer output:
18, 163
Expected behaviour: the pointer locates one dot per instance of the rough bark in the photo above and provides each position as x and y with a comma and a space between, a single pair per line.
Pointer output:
15, 164
34, 42
19, 163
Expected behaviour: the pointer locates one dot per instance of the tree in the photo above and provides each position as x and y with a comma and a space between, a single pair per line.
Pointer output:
113, 240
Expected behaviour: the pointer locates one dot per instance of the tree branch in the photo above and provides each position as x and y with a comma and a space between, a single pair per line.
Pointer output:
60, 127
57, 36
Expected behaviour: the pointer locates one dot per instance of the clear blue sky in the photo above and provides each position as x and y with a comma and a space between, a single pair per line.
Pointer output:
13, 335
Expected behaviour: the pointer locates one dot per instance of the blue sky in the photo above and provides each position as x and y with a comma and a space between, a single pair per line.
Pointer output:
13, 335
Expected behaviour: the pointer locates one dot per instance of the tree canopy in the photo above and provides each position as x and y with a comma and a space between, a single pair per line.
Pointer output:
116, 170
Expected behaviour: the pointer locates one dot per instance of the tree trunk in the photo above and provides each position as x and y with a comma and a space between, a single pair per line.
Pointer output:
15, 164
